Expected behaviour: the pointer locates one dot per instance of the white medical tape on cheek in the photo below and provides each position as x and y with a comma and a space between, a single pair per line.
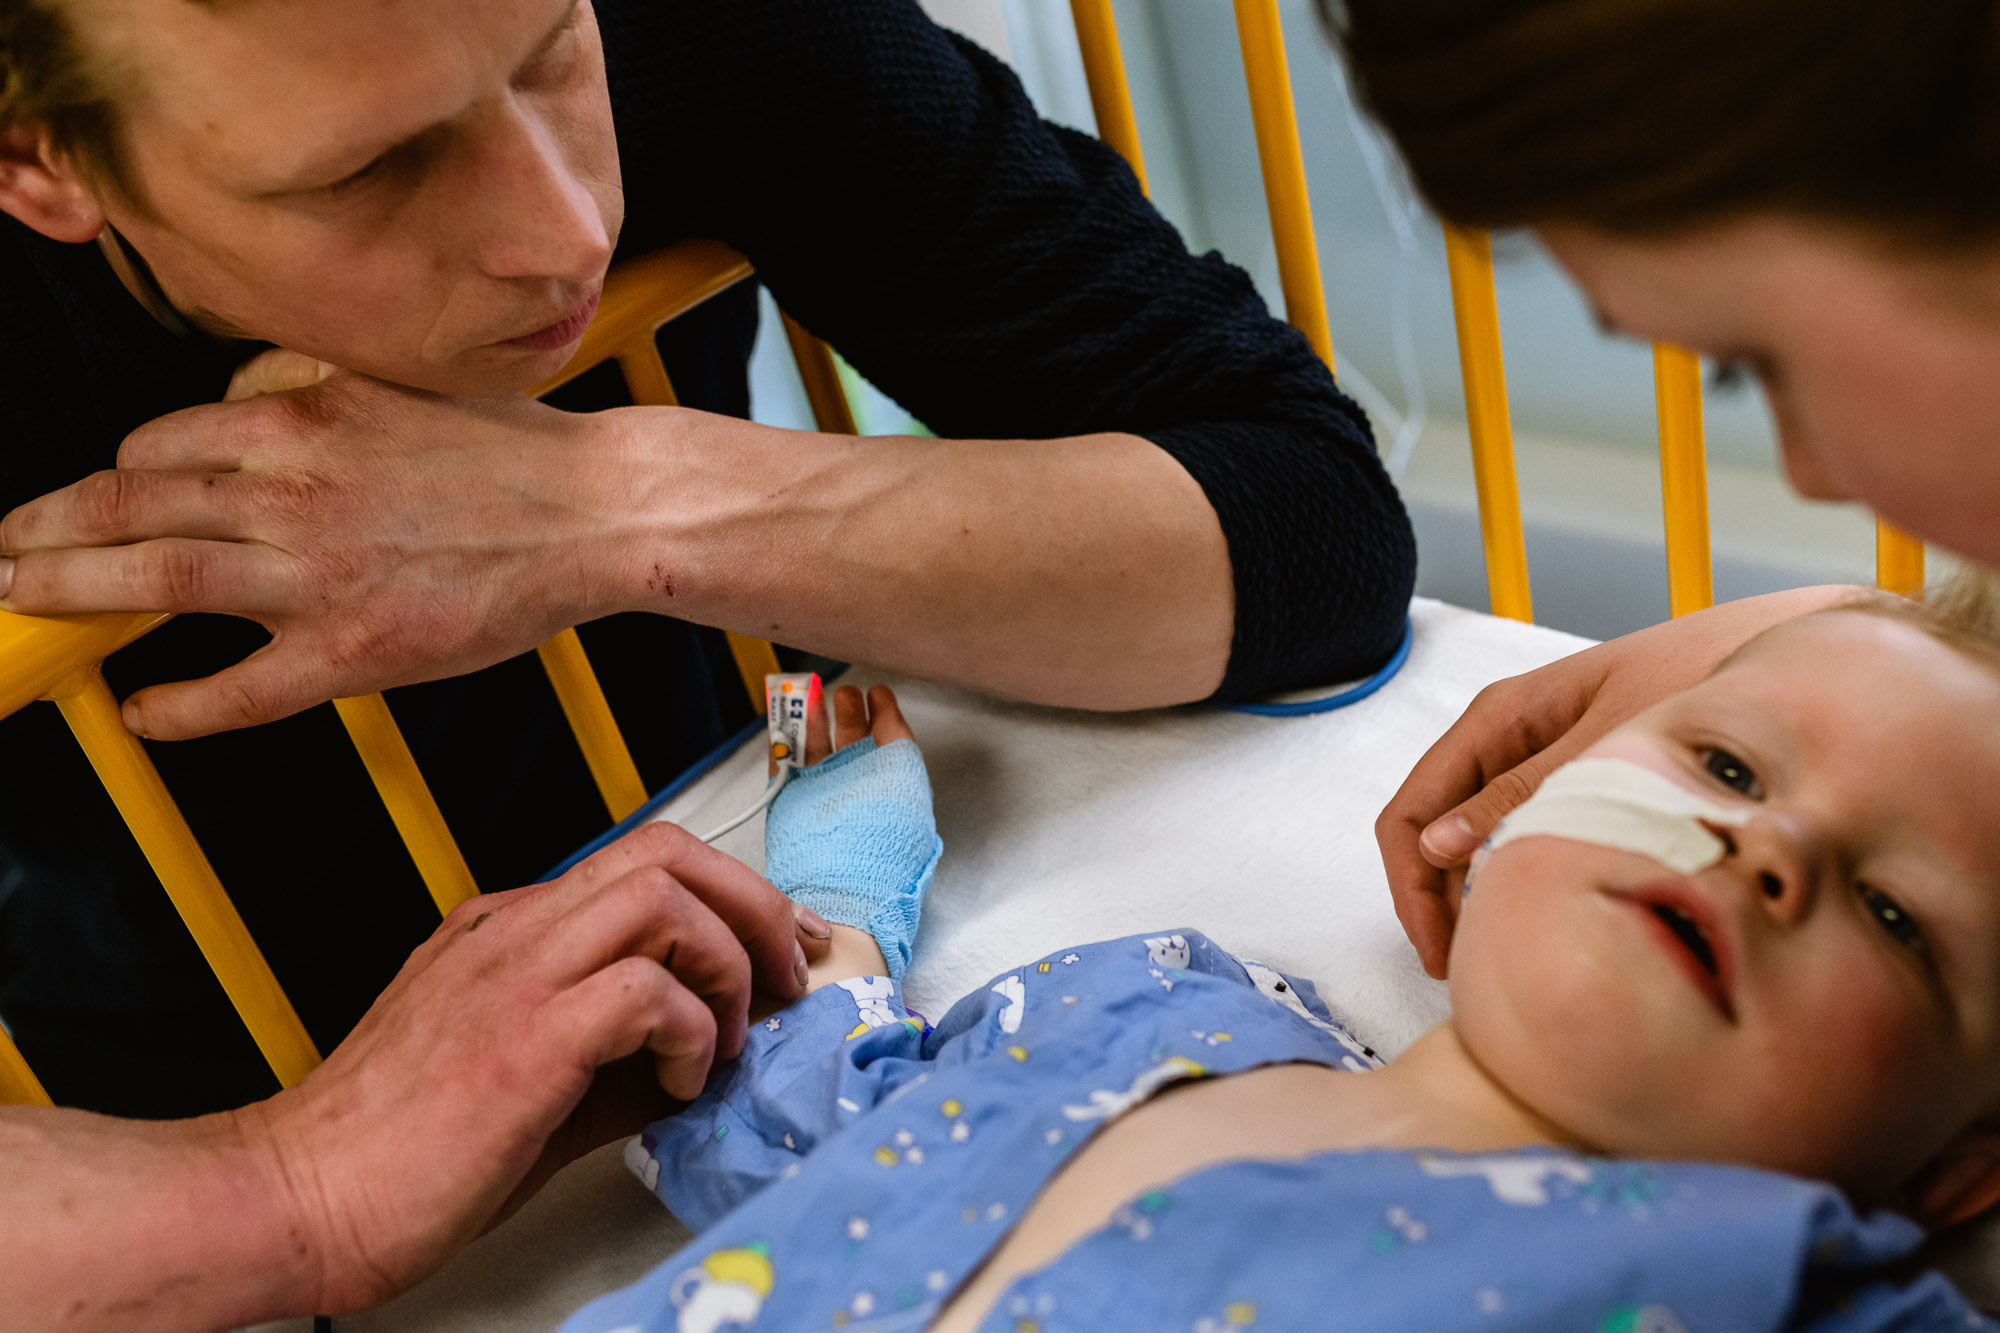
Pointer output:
1616, 803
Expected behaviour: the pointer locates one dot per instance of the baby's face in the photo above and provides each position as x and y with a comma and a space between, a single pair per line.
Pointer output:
1839, 1015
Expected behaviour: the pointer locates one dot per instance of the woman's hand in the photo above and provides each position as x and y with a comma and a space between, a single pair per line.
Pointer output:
1521, 729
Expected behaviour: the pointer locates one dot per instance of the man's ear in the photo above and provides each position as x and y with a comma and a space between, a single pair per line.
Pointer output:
1960, 1182
43, 188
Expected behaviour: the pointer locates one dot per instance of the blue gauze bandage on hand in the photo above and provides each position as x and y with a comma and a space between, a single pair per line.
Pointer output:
853, 838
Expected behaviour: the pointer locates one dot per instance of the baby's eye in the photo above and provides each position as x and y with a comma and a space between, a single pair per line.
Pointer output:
1731, 772
1889, 914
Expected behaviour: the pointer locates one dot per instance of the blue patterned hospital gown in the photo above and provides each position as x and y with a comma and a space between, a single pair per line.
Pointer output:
856, 1166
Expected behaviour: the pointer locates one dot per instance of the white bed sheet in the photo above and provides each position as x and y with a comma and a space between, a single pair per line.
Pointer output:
1062, 827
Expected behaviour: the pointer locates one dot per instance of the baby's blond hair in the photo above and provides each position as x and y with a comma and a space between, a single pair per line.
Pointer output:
1963, 612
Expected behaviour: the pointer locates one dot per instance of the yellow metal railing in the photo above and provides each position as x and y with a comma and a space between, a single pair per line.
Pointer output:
1683, 479
1469, 256
1899, 558
1269, 80
1104, 71
58, 658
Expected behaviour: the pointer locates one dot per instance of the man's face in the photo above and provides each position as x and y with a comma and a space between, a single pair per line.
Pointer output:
1839, 1016
424, 191
1880, 367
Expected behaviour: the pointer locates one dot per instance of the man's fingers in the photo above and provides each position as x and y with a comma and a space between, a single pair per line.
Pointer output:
758, 915
631, 1005
131, 505
169, 574
647, 913
273, 682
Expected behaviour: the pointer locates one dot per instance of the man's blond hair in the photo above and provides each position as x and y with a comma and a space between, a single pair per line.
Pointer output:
51, 79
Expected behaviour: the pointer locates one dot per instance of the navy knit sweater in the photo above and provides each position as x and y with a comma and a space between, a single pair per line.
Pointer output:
998, 276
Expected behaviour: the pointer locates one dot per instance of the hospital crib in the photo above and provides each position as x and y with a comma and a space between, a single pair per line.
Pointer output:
58, 658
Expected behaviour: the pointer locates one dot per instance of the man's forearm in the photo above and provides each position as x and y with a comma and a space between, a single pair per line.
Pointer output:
1089, 572
123, 1224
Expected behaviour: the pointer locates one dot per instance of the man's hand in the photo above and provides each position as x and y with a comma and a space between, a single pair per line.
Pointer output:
532, 1027
500, 1051
383, 535
1518, 731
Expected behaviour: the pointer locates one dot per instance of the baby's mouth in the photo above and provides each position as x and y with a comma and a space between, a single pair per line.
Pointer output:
1689, 932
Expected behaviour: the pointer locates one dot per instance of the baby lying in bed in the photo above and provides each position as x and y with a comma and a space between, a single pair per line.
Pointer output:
1749, 944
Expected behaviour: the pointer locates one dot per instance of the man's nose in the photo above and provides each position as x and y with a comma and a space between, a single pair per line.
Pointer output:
539, 219
1776, 855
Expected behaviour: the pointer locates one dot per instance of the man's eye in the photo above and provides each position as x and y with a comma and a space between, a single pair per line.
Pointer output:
360, 177
1731, 772
1889, 914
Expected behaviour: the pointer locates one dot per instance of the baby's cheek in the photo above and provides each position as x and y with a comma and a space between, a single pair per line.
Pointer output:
1861, 1066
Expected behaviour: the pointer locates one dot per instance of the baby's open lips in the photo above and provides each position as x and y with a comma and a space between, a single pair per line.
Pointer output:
1690, 928
1689, 933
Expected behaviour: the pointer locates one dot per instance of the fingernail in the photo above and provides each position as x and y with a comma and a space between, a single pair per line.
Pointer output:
6, 574
800, 968
129, 715
812, 923
1450, 838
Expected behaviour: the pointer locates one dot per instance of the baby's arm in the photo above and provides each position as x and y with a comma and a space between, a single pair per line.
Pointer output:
852, 837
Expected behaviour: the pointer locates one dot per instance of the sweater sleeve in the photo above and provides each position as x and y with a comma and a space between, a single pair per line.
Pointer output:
1005, 278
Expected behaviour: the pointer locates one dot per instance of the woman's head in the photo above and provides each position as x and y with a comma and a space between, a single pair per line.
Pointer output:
1810, 187
1649, 116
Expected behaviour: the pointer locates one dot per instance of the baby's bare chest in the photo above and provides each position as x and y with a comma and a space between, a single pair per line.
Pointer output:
1278, 1111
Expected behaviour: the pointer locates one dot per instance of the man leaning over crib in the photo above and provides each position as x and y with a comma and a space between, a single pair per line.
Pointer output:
1148, 491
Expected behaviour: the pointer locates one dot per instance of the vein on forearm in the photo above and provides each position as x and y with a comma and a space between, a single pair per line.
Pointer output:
1088, 572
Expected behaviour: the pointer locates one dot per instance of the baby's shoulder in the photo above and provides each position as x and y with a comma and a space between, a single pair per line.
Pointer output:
1159, 979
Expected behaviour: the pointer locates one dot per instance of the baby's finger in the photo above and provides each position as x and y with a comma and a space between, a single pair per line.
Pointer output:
850, 717
819, 740
888, 717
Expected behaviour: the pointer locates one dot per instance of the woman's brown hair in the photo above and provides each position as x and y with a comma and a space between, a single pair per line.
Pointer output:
1653, 115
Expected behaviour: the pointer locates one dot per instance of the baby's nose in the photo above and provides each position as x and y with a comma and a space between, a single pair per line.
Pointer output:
1773, 854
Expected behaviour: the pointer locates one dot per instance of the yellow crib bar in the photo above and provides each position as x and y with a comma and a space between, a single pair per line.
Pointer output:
1265, 71
583, 703
646, 375
1899, 560
821, 378
1476, 309
412, 808
1683, 478
163, 835
18, 1084
39, 652
1104, 71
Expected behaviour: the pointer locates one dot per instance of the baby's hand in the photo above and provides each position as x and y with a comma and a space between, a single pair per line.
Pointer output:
852, 835
876, 718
